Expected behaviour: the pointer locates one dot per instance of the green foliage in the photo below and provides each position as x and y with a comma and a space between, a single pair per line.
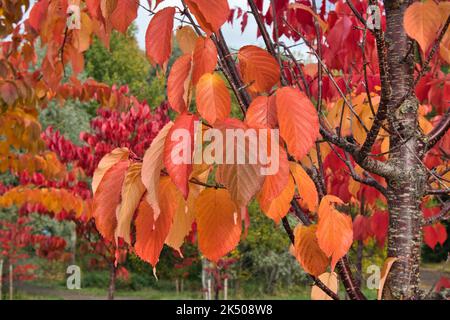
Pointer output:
265, 257
125, 64
70, 119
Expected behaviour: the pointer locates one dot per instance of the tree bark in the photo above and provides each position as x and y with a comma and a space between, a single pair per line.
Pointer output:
406, 185
112, 282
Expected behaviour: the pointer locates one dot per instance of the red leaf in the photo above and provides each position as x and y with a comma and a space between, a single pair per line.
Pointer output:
298, 120
107, 199
379, 223
434, 234
158, 38
178, 149
211, 15
151, 234
124, 14
178, 83
262, 112
205, 58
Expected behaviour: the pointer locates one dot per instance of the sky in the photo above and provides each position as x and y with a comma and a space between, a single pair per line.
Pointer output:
235, 39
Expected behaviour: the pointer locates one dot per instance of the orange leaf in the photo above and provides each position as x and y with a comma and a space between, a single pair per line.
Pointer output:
178, 83
211, 15
298, 120
151, 168
106, 163
258, 68
158, 38
331, 281
107, 199
184, 218
124, 14
306, 187
205, 58
421, 22
278, 208
275, 184
384, 273
132, 192
213, 98
186, 38
178, 150
308, 252
218, 222
335, 230
151, 234
262, 112
242, 178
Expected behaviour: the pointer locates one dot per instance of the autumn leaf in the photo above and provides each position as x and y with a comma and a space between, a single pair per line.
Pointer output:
132, 191
328, 279
124, 14
107, 199
323, 25
421, 22
151, 233
106, 163
308, 252
213, 98
211, 15
379, 223
242, 178
434, 234
298, 120
218, 222
384, 274
178, 83
184, 218
178, 150
277, 208
186, 38
262, 112
335, 231
151, 168
158, 38
258, 68
305, 186
275, 184
204, 58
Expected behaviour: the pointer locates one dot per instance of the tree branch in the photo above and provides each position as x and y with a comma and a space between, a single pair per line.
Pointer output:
439, 131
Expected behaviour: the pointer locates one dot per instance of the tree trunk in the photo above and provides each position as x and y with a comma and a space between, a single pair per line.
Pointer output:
112, 282
407, 185
1, 278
